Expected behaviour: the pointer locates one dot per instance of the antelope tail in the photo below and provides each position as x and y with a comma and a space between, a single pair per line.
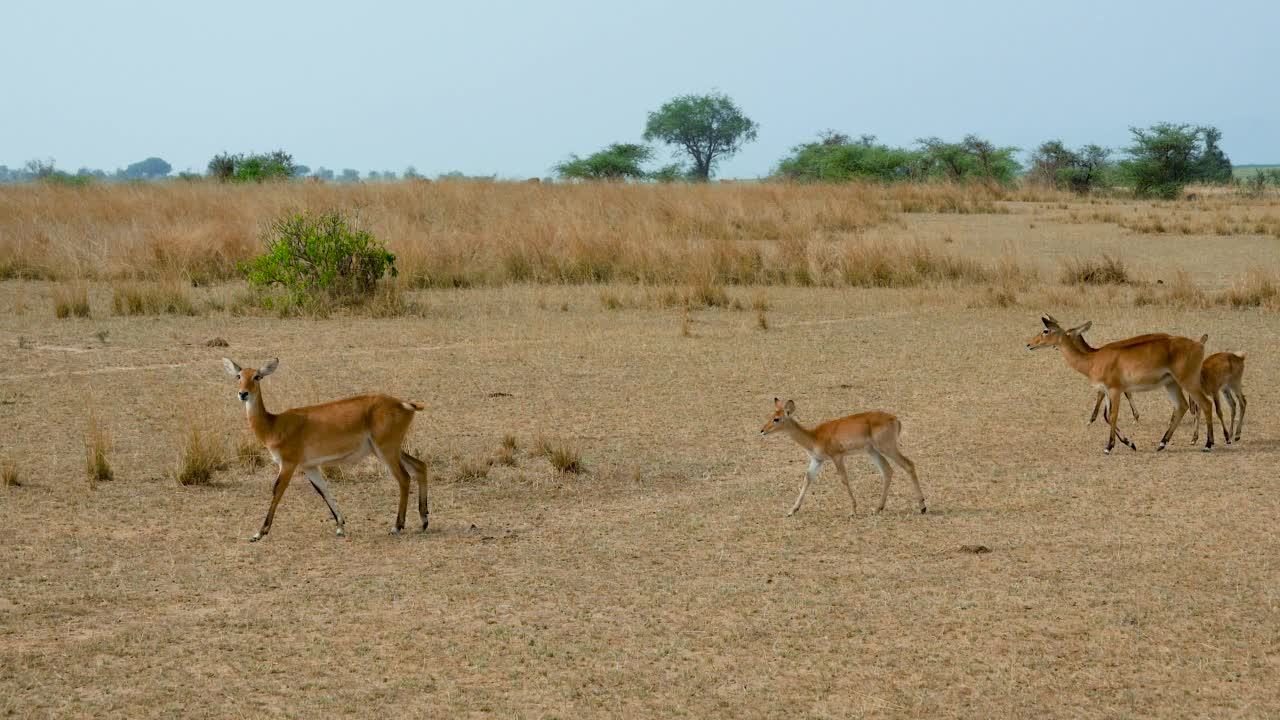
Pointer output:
412, 405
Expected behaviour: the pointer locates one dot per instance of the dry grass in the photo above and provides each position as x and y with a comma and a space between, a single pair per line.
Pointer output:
1256, 289
71, 300
1089, 271
466, 469
467, 234
200, 456
98, 447
563, 456
508, 451
170, 297
9, 473
249, 454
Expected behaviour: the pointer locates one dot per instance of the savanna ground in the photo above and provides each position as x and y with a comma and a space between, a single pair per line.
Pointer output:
663, 581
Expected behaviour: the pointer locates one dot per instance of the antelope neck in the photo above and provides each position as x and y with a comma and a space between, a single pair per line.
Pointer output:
259, 419
802, 435
1076, 357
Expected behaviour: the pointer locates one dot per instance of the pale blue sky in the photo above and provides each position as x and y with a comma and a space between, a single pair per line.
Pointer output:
513, 87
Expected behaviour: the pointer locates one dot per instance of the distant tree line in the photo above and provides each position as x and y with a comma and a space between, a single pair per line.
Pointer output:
704, 130
1160, 162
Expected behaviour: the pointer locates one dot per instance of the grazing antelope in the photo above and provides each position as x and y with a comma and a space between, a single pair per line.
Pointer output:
1223, 374
1145, 362
876, 432
342, 431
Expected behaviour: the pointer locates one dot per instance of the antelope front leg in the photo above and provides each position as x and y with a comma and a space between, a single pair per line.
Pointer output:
1096, 406
1113, 399
282, 482
810, 474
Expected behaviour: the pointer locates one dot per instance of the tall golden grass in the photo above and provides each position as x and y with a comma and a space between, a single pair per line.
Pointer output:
451, 234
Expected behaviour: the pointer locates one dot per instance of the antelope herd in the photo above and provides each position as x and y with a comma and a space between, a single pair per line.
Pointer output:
345, 431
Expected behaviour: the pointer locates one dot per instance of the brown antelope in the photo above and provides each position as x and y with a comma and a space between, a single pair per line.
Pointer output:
343, 431
1076, 334
1220, 374
1223, 374
876, 432
1145, 362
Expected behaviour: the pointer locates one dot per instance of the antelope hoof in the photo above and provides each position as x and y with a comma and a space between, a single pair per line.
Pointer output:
923, 509
1207, 448
1106, 450
424, 526
341, 533
1161, 446
396, 531
256, 537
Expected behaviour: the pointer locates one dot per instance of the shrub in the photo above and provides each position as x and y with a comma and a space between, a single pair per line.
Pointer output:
619, 161
9, 471
836, 158
319, 257
1083, 170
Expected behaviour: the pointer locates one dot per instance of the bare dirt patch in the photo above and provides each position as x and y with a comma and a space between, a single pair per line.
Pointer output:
664, 580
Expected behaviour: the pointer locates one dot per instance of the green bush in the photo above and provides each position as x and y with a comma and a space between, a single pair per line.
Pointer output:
836, 158
619, 161
255, 167
322, 258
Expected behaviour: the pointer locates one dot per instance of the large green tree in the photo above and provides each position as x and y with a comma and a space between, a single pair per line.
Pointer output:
706, 128
149, 169
1165, 157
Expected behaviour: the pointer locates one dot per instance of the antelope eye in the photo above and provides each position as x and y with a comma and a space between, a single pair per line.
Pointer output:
1046, 331
256, 378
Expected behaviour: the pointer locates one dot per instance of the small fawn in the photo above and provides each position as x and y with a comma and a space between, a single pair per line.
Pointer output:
876, 432
1222, 374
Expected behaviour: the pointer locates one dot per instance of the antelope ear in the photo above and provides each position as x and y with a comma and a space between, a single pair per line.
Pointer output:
790, 407
232, 368
269, 368
777, 403
1048, 321
1078, 331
